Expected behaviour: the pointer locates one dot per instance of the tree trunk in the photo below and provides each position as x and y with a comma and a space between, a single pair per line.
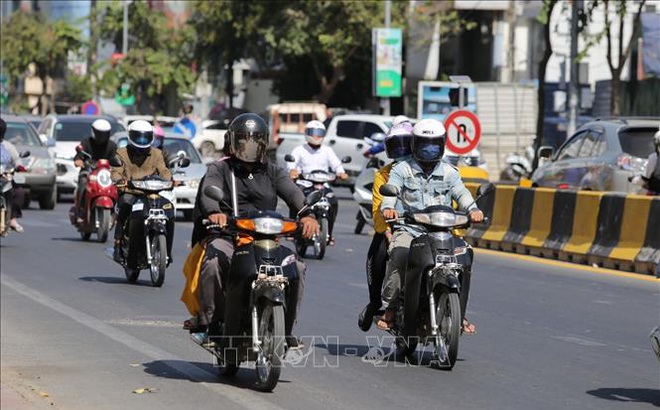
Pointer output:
615, 100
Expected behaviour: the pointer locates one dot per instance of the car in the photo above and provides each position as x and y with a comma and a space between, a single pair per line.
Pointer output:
67, 131
35, 120
211, 137
345, 135
189, 177
600, 156
40, 178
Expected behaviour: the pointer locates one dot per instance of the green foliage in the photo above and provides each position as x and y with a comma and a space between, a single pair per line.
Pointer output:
28, 39
159, 57
78, 88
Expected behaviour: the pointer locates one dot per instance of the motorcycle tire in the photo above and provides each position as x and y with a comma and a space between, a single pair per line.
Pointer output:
158, 260
321, 241
448, 319
406, 346
228, 369
360, 223
85, 236
131, 274
273, 343
104, 225
301, 247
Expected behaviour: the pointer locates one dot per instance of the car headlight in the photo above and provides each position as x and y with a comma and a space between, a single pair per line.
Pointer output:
43, 166
193, 183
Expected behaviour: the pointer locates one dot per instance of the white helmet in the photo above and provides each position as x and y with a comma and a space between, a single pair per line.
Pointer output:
140, 134
101, 131
428, 142
656, 140
314, 133
400, 119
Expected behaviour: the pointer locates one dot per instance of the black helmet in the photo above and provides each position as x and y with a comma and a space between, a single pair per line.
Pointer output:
101, 131
3, 129
248, 137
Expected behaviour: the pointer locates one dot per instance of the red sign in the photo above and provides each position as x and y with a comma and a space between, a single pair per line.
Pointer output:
463, 131
90, 108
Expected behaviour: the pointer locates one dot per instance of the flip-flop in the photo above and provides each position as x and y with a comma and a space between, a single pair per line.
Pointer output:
467, 327
386, 321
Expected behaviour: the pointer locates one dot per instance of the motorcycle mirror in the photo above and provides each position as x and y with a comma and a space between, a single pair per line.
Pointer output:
184, 162
485, 189
289, 158
181, 154
545, 151
79, 148
378, 137
313, 198
115, 161
389, 190
24, 154
346, 159
214, 192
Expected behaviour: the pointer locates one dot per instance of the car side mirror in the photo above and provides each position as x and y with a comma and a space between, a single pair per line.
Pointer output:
24, 154
485, 189
545, 152
289, 158
346, 160
389, 190
313, 198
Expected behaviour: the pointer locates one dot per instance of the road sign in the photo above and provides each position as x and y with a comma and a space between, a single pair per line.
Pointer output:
463, 131
90, 108
388, 52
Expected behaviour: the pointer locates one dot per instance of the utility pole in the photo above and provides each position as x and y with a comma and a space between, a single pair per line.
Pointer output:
124, 46
388, 15
573, 85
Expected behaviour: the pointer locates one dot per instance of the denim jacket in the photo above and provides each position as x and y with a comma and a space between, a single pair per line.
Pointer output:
417, 191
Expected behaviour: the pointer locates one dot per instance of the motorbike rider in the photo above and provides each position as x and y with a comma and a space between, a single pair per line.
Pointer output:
652, 177
380, 147
423, 180
314, 156
397, 147
258, 185
138, 161
9, 158
99, 146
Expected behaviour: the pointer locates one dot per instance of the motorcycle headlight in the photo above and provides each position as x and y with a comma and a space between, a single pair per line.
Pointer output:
441, 219
268, 226
152, 185
103, 178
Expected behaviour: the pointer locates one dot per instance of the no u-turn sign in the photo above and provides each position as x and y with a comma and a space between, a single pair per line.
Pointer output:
463, 131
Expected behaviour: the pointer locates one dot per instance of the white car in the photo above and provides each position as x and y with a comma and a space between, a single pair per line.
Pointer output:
186, 192
211, 137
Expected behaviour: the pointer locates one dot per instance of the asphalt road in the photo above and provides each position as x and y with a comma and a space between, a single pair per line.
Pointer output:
75, 335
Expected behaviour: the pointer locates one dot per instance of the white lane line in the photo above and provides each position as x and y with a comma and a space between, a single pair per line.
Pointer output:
241, 397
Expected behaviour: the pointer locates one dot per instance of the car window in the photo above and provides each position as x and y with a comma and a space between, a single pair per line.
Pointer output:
77, 130
637, 142
44, 128
370, 128
572, 147
220, 125
593, 144
347, 128
20, 133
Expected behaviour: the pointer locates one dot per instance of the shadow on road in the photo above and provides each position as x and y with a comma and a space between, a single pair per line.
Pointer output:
244, 379
114, 280
72, 239
650, 396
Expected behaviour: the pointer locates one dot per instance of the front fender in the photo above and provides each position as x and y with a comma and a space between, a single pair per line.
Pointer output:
269, 291
447, 280
104, 202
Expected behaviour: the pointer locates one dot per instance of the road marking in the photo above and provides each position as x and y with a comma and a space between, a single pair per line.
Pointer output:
579, 341
569, 265
241, 397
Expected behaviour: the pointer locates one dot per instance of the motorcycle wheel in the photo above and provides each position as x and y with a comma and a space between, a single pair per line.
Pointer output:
271, 336
406, 346
301, 247
158, 260
227, 369
131, 274
321, 240
85, 236
360, 223
104, 225
448, 320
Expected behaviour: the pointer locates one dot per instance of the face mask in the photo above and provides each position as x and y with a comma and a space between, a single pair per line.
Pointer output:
429, 152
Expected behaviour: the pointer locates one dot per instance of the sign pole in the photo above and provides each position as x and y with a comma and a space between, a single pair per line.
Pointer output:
385, 103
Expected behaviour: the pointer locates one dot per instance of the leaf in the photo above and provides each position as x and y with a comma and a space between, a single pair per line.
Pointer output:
139, 391
145, 390
44, 394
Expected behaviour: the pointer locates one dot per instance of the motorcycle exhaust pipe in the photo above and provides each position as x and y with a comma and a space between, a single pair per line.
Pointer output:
434, 323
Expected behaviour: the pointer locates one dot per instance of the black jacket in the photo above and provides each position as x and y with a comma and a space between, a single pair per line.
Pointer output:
256, 190
97, 152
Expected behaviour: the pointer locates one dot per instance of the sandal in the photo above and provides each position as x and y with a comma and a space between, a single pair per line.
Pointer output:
468, 328
331, 241
385, 321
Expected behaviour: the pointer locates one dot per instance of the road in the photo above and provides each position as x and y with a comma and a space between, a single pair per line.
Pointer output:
75, 335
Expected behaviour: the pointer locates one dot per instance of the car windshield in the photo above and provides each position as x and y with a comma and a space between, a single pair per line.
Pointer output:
21, 133
637, 142
172, 146
77, 130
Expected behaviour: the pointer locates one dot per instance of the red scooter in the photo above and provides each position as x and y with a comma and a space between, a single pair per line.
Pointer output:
99, 200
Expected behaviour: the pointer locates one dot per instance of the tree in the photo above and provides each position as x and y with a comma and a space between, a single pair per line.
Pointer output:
158, 62
621, 7
28, 38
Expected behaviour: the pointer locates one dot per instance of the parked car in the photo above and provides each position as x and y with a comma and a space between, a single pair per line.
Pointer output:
189, 177
40, 165
35, 120
211, 137
167, 123
600, 156
345, 135
68, 131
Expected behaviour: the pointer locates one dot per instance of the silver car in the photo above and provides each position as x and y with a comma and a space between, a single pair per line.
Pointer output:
600, 156
189, 177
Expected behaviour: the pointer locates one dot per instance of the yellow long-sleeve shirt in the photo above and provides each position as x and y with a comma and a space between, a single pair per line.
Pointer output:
380, 179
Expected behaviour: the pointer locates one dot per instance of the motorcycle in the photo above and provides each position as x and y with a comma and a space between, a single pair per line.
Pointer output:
7, 178
430, 311
518, 166
318, 180
100, 199
261, 293
362, 193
